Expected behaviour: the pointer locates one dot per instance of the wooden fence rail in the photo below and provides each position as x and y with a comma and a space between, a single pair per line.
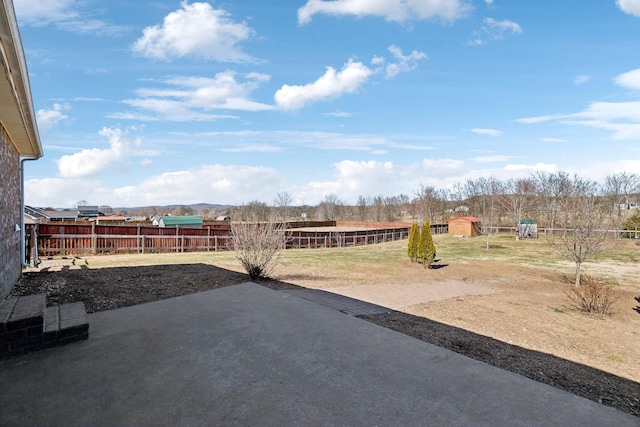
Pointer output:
62, 244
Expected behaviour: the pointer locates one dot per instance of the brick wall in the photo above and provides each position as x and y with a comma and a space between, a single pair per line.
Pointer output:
10, 265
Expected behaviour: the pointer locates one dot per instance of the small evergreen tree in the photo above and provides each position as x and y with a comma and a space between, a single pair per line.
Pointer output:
414, 238
426, 248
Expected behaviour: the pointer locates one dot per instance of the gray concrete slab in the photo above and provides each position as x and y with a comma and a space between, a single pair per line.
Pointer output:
341, 303
248, 355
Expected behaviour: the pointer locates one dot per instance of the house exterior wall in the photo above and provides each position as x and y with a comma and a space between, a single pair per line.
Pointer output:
10, 263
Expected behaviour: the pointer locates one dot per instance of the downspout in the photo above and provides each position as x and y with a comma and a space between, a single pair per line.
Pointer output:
23, 245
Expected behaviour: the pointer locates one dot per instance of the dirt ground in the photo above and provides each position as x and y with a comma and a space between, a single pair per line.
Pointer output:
513, 317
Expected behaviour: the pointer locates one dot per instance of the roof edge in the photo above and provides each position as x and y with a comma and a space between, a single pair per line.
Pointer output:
17, 112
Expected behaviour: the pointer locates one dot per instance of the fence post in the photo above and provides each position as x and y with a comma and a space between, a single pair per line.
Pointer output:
62, 241
94, 239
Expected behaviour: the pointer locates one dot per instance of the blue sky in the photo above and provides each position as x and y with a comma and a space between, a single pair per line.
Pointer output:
161, 102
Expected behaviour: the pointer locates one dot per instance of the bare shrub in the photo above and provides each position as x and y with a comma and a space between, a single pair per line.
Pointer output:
257, 238
258, 244
593, 295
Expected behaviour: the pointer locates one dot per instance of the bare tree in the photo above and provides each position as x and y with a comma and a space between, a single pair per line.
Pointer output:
485, 191
585, 223
551, 189
331, 207
517, 198
391, 208
258, 243
618, 188
252, 211
363, 208
282, 202
378, 208
427, 202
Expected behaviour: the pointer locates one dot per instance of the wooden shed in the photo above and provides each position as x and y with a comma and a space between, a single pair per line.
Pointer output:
464, 226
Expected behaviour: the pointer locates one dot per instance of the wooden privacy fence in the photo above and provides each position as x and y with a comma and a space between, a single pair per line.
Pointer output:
89, 239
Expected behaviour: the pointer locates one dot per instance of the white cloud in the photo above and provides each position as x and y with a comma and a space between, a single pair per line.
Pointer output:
489, 2
338, 114
37, 12
48, 119
64, 14
196, 30
93, 161
632, 7
622, 118
232, 184
629, 80
237, 184
488, 132
581, 79
192, 98
545, 167
251, 148
403, 63
64, 192
539, 119
333, 141
548, 139
493, 30
331, 85
352, 179
391, 10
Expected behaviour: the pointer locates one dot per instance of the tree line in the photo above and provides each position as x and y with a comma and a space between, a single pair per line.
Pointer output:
541, 196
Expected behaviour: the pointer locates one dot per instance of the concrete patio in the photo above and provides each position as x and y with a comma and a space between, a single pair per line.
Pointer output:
248, 355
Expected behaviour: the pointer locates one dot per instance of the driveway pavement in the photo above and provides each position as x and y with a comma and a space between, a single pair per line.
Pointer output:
248, 355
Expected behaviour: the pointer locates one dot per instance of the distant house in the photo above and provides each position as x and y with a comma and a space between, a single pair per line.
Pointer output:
88, 212
192, 221
35, 215
223, 218
19, 142
464, 226
112, 220
61, 215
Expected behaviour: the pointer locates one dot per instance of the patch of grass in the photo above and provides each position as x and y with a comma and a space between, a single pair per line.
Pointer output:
615, 358
560, 310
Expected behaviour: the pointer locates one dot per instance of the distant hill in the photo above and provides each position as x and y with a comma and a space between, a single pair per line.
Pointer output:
194, 206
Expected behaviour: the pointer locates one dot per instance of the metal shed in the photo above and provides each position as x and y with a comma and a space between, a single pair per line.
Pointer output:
528, 228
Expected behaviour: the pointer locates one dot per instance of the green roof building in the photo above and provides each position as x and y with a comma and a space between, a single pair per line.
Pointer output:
193, 221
